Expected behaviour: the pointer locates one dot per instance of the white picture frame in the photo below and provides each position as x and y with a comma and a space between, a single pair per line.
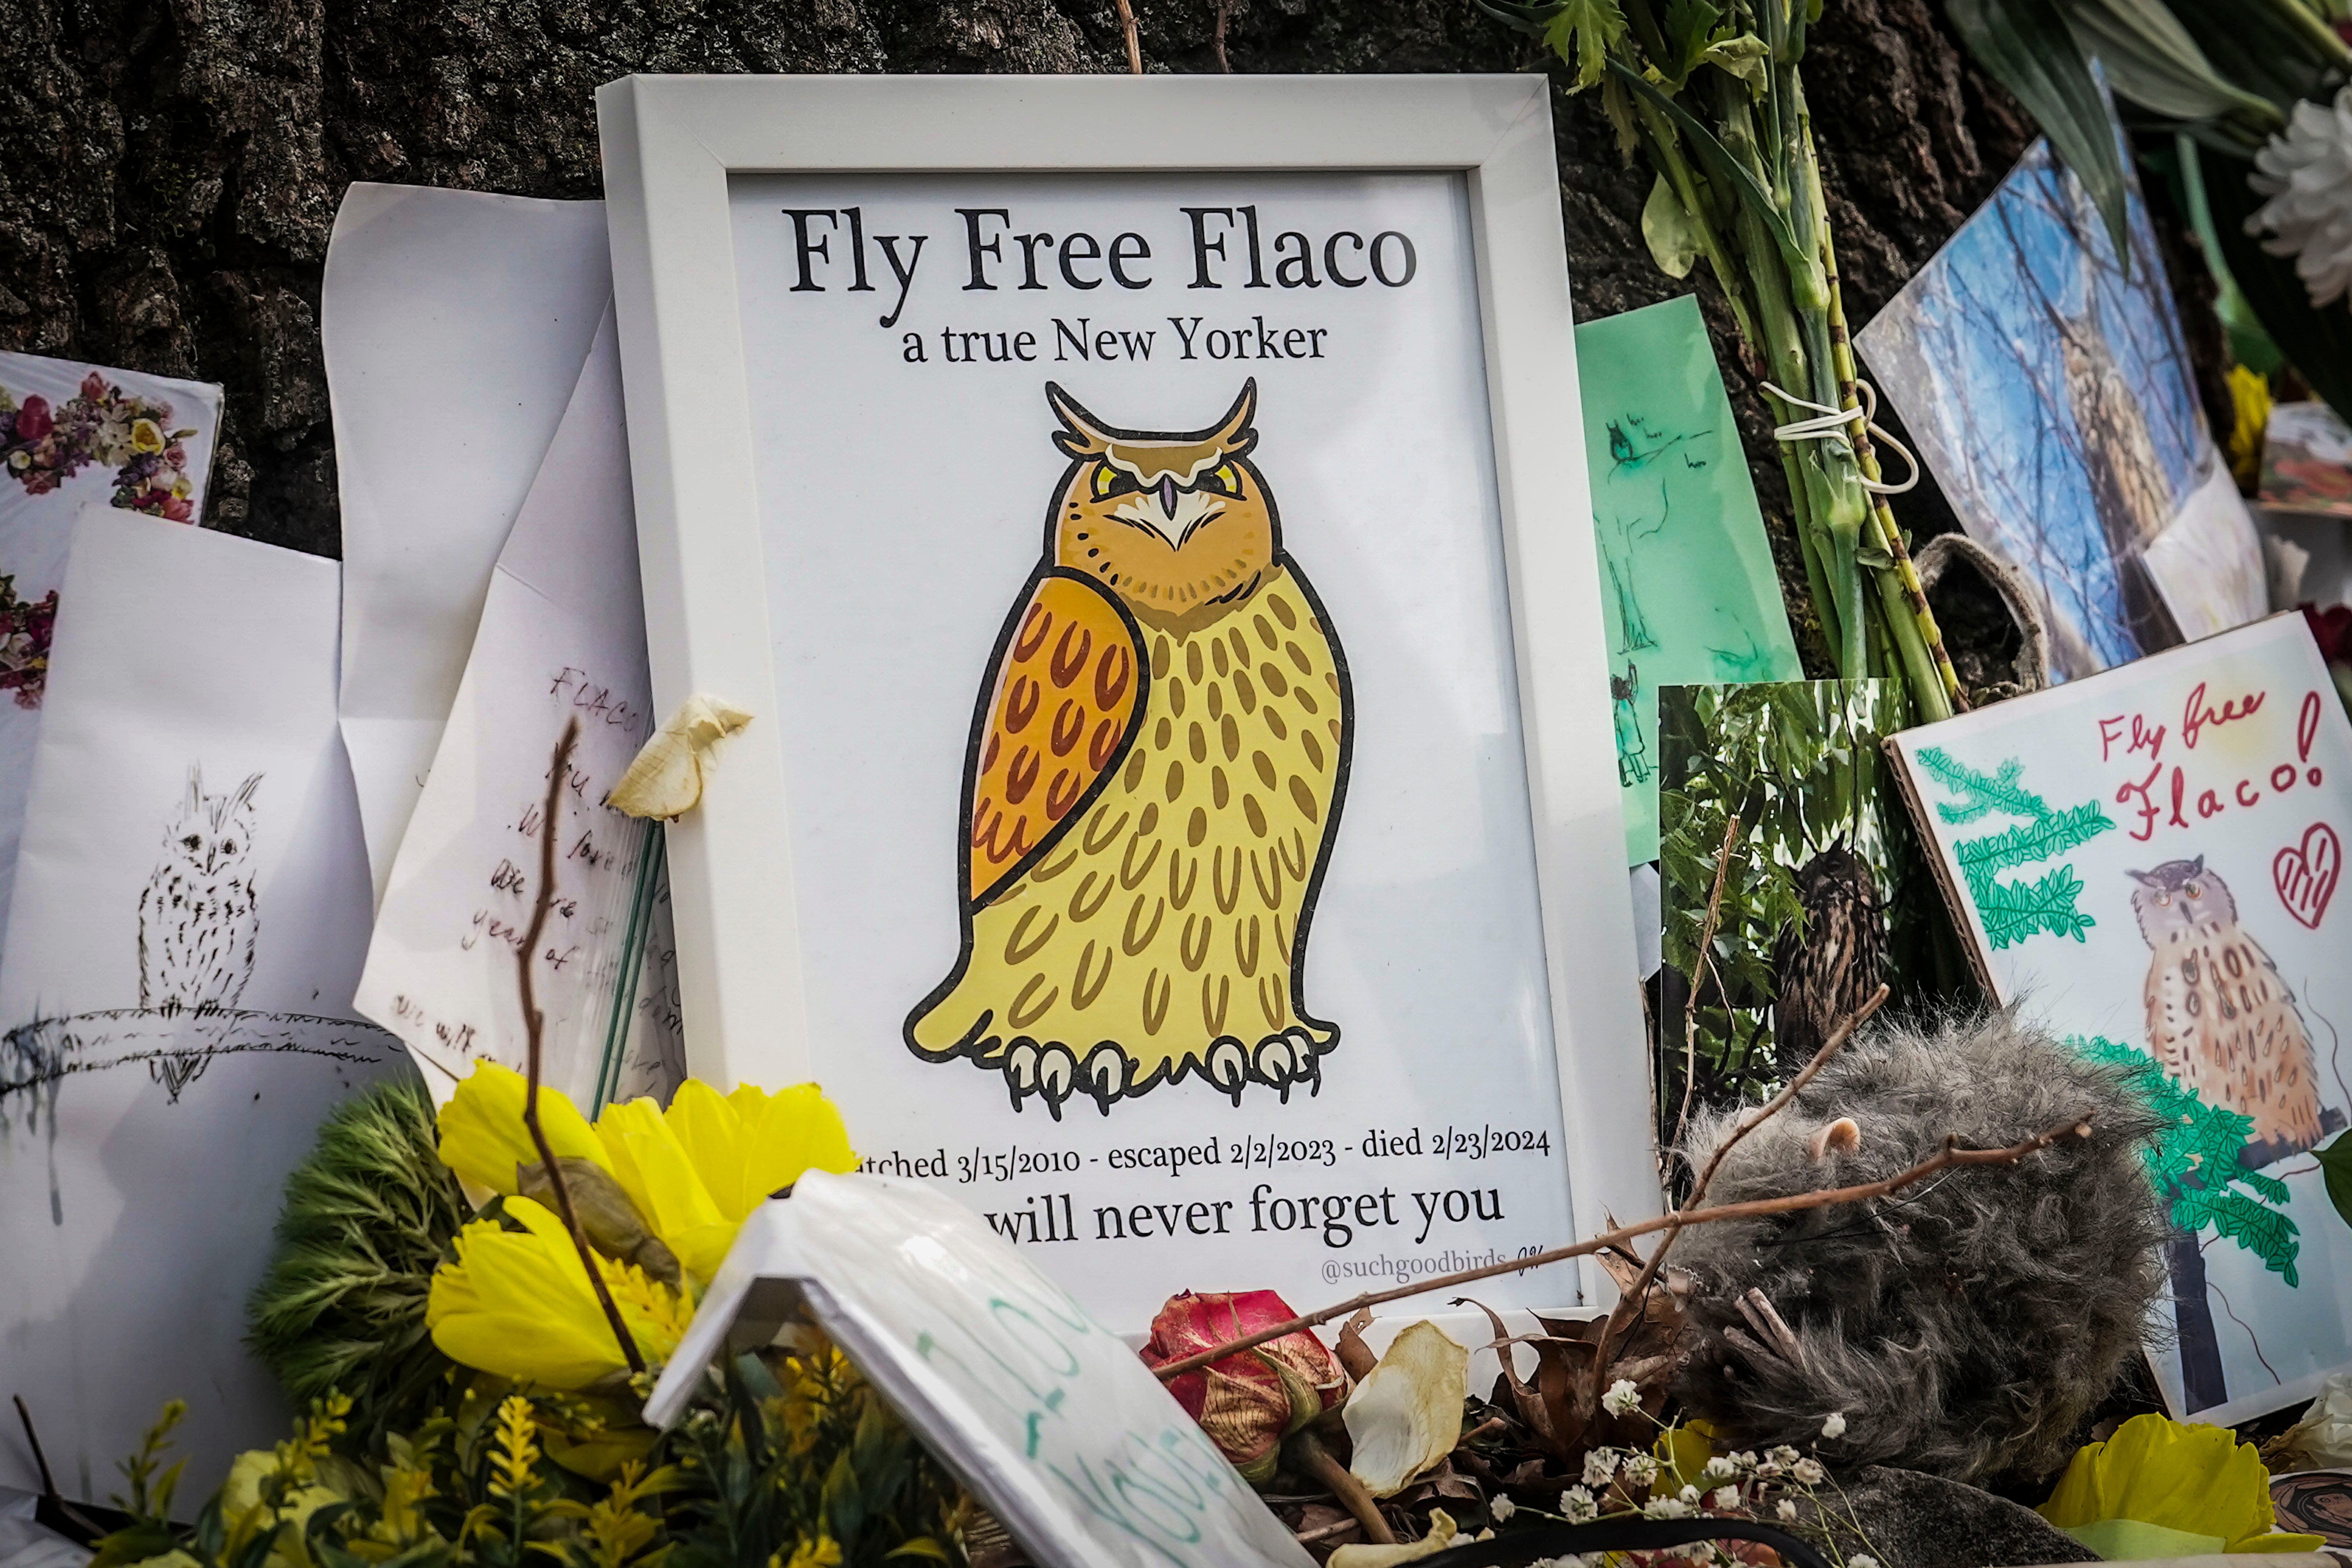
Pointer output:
671, 147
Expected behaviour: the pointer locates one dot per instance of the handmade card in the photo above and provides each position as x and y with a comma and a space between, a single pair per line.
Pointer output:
2308, 461
562, 639
1822, 889
71, 435
1046, 1414
2148, 862
175, 1002
2046, 383
1688, 587
453, 322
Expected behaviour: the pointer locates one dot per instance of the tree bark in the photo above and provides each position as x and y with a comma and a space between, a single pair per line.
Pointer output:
172, 167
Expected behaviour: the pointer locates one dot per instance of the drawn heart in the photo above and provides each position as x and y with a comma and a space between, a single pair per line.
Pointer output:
2306, 875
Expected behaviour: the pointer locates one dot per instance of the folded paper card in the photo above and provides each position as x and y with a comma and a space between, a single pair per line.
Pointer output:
1687, 583
71, 435
192, 909
2149, 861
562, 637
1046, 1416
454, 323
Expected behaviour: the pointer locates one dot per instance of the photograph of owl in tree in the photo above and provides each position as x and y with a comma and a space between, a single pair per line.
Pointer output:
1823, 896
2047, 384
1157, 761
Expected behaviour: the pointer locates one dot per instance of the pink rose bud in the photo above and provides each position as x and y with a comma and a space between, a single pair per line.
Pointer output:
93, 387
1249, 1401
33, 420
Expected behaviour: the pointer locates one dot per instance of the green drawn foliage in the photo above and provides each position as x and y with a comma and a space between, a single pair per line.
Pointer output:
2336, 1165
2196, 1165
2014, 910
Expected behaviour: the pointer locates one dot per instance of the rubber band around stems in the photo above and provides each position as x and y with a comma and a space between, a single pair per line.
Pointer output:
1829, 422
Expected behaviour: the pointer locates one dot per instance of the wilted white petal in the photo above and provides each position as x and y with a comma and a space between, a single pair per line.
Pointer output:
1442, 1530
1406, 1415
1835, 1426
666, 778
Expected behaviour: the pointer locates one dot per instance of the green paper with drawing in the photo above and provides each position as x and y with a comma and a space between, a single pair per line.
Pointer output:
2147, 861
1687, 577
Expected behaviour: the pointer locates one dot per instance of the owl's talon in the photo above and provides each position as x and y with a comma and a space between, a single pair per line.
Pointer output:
1021, 1070
1228, 1067
1277, 1064
1309, 1056
1104, 1076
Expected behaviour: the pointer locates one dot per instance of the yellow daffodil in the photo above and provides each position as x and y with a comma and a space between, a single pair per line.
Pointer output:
519, 1304
694, 1172
2160, 1488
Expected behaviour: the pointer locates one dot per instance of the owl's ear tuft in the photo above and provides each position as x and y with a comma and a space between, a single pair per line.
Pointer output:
2142, 878
245, 791
1232, 433
195, 785
1082, 435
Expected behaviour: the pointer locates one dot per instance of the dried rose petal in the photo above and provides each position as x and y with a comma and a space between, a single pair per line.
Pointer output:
1249, 1401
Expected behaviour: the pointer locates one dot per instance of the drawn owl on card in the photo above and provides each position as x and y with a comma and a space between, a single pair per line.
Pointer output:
197, 919
1153, 783
2219, 1018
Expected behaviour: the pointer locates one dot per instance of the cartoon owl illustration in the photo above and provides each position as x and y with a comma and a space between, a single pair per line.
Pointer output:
197, 918
1823, 976
1154, 779
2219, 1018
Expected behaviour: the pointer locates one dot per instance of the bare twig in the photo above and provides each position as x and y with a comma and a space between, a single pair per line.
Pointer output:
534, 1026
1225, 8
1134, 47
32, 1441
1830, 1048
1621, 1316
1699, 971
1950, 1155
1308, 1452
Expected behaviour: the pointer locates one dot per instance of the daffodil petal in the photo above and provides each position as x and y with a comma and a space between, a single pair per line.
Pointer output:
483, 1137
519, 1304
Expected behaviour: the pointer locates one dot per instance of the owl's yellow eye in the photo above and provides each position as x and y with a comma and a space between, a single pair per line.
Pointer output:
2194, 891
1226, 479
1110, 482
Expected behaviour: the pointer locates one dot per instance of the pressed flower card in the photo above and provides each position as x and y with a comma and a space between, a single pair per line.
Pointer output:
2149, 861
71, 435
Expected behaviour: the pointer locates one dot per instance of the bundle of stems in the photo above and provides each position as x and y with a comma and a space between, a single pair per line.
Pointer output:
1713, 96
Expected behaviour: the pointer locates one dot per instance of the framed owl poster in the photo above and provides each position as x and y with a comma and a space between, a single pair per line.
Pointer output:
1146, 522
2147, 861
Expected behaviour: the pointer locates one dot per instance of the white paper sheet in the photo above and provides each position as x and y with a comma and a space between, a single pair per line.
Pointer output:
563, 637
176, 994
2208, 561
81, 443
453, 325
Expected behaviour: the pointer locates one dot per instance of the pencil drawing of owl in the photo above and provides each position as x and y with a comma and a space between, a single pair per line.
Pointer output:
2219, 1018
1154, 778
197, 919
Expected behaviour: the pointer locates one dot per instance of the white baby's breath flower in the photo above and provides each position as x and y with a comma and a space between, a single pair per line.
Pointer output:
1787, 1511
1723, 1500
1783, 1455
1666, 1508
1598, 1466
1809, 1472
1621, 1398
1835, 1426
1578, 1505
1687, 1495
1862, 1560
1501, 1509
1745, 1459
2307, 174
1639, 1469
1719, 1468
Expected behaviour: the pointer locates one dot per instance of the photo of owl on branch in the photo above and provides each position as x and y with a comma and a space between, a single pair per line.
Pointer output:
1154, 779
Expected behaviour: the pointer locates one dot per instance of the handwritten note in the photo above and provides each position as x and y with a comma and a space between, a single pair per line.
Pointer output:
1045, 1414
2147, 860
561, 639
